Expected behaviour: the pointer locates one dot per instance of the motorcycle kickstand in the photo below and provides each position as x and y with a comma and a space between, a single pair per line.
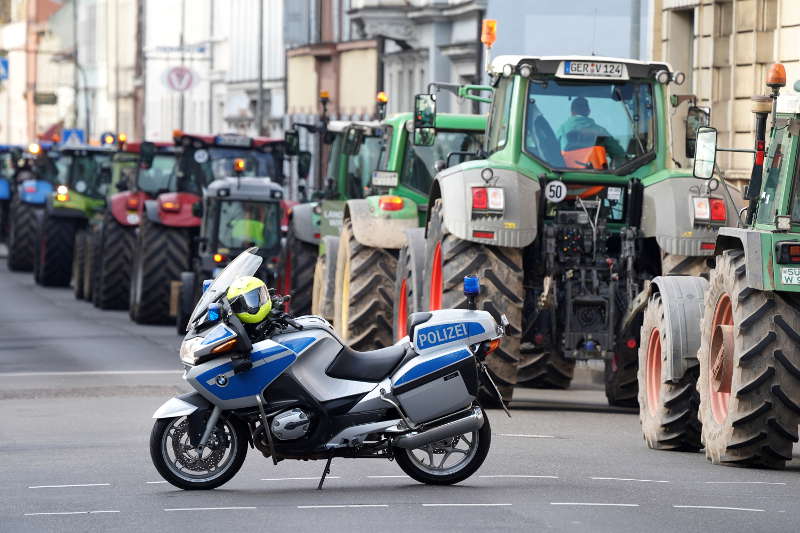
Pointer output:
325, 472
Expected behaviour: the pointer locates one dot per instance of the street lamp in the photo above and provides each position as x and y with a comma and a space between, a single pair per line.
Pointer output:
72, 57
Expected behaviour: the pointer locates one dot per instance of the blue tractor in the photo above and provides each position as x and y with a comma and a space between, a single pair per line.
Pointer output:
32, 182
9, 155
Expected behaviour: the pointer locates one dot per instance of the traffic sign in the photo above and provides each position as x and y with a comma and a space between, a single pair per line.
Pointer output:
73, 136
3, 68
179, 78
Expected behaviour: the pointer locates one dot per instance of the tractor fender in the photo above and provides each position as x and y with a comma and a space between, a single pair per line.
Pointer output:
748, 241
516, 228
5, 189
35, 192
682, 298
668, 215
380, 229
119, 207
303, 224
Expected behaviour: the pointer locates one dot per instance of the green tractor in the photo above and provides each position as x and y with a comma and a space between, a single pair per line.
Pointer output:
720, 357
84, 180
575, 205
376, 227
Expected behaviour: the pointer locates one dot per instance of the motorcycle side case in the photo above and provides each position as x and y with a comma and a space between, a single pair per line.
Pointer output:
444, 378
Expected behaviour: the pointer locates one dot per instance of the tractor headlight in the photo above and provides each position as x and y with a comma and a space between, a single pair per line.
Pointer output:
188, 349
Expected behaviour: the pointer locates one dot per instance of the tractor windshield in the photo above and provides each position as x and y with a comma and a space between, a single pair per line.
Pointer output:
221, 162
591, 126
242, 224
87, 173
155, 178
418, 161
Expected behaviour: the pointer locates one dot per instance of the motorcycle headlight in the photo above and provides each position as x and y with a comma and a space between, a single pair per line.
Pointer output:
188, 349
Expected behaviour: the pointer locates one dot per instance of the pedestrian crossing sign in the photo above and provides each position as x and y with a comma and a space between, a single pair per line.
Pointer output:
72, 137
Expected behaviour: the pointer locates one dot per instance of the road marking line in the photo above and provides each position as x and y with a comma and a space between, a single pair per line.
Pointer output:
66, 486
209, 509
630, 479
102, 512
298, 478
154, 482
526, 436
90, 373
63, 512
518, 476
591, 504
466, 504
342, 506
745, 483
387, 477
716, 507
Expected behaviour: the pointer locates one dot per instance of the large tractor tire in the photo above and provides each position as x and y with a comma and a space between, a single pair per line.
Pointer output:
544, 369
56, 246
325, 280
749, 370
112, 266
162, 253
683, 265
89, 265
78, 259
300, 260
22, 227
667, 409
620, 377
408, 281
447, 260
364, 285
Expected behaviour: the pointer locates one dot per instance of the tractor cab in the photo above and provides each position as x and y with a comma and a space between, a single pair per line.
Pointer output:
140, 171
84, 179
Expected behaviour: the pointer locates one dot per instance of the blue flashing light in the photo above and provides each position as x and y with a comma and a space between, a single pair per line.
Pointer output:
207, 283
590, 346
472, 285
214, 312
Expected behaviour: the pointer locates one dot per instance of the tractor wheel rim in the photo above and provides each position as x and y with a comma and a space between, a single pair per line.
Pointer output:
402, 311
653, 379
436, 278
721, 359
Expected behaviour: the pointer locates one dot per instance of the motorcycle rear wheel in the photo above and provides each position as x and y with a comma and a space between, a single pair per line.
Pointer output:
213, 467
421, 463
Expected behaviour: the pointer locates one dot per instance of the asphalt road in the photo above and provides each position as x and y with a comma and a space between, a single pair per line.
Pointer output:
78, 387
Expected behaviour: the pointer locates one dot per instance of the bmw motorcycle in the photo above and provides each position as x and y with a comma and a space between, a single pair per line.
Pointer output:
290, 388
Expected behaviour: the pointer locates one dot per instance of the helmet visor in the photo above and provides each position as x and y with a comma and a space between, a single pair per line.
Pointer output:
251, 301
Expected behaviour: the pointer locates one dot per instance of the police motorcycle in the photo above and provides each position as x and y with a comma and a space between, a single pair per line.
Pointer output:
289, 387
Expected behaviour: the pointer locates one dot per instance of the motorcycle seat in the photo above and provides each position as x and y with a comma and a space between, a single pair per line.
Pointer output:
371, 366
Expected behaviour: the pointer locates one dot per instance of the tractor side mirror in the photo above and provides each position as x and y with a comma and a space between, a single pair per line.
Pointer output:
303, 164
696, 117
424, 119
147, 152
292, 140
706, 153
122, 185
197, 209
353, 138
328, 137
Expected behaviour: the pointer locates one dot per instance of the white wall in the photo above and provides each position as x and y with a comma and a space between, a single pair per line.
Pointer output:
13, 120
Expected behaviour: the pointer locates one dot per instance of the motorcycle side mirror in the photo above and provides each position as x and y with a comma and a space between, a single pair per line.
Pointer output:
696, 117
706, 156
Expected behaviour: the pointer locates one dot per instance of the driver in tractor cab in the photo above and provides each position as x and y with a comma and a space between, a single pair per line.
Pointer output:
247, 226
585, 143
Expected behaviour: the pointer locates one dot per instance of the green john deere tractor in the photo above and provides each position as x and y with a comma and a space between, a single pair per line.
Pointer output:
575, 205
720, 357
80, 194
375, 228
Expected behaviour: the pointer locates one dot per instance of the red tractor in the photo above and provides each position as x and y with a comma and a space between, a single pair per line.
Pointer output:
168, 233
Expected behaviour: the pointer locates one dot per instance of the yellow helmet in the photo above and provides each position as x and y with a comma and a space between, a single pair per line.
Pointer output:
249, 299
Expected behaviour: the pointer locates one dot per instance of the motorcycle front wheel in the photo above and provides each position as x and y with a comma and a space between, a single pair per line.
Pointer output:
190, 468
447, 461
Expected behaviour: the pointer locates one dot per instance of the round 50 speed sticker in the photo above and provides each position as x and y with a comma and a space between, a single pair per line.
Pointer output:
555, 191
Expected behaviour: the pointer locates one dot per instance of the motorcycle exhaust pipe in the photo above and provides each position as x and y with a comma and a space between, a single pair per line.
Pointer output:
469, 423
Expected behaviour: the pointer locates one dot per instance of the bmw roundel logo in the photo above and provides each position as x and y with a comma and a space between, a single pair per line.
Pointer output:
222, 380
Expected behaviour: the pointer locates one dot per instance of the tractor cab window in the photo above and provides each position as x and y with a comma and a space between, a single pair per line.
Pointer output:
221, 163
591, 126
242, 224
385, 147
157, 177
269, 164
90, 174
6, 166
500, 116
332, 167
361, 165
418, 162
775, 171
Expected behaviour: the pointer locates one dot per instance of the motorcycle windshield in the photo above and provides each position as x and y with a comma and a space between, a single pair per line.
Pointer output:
246, 264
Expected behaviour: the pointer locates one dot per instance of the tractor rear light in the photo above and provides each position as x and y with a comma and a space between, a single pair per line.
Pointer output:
132, 203
483, 234
708, 246
788, 252
390, 203
538, 339
488, 198
170, 206
702, 208
719, 212
631, 344
62, 193
218, 258
316, 235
